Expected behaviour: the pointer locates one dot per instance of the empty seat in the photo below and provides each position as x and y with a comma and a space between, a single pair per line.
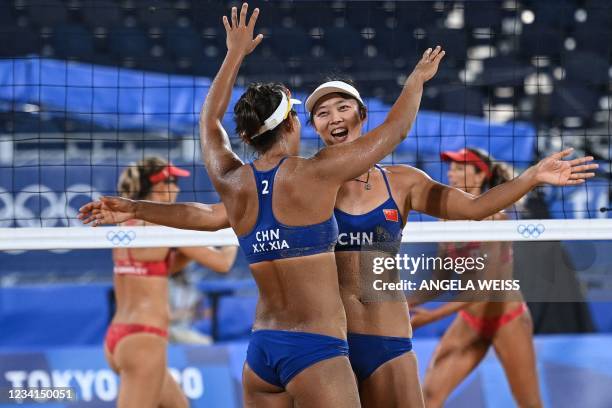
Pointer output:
413, 14
289, 41
206, 66
446, 77
128, 42
7, 17
18, 41
342, 42
462, 100
311, 14
397, 43
208, 13
597, 39
586, 67
262, 67
374, 73
539, 40
73, 41
183, 42
270, 17
482, 14
572, 100
101, 13
504, 71
316, 69
453, 41
599, 14
47, 13
156, 13
554, 13
365, 14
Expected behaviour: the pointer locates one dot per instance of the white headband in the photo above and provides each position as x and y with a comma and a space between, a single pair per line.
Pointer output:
280, 114
331, 87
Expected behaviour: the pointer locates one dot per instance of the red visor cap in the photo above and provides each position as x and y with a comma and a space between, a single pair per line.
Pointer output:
168, 171
466, 156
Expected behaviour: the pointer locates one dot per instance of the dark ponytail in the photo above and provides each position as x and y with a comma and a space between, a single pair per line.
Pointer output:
501, 172
253, 108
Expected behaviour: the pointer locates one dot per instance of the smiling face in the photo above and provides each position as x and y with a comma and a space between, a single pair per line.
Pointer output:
337, 118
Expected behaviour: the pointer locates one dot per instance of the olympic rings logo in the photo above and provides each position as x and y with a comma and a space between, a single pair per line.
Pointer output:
123, 238
38, 205
530, 230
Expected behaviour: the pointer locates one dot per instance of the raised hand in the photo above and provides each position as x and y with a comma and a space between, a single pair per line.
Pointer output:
109, 210
420, 316
427, 67
239, 33
556, 171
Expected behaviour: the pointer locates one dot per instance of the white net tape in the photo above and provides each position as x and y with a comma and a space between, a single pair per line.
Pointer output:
449, 231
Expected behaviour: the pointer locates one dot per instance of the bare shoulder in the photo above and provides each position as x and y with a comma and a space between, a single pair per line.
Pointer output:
236, 181
405, 174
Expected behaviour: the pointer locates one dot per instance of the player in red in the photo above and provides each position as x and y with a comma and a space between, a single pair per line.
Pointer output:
502, 324
135, 344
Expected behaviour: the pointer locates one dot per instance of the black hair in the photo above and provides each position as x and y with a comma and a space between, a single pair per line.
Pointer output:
501, 172
255, 105
134, 181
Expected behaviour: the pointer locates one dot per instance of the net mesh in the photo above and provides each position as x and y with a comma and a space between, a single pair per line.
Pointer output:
82, 97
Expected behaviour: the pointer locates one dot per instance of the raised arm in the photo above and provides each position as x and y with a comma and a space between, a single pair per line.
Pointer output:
450, 203
349, 160
192, 216
219, 158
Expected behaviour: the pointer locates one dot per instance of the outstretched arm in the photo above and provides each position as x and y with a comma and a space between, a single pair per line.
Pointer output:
450, 203
219, 158
349, 160
420, 316
192, 216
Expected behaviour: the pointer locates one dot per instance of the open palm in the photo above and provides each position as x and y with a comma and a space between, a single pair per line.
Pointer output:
109, 210
556, 171
429, 62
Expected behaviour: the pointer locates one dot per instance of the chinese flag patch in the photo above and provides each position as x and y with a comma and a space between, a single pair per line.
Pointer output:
391, 215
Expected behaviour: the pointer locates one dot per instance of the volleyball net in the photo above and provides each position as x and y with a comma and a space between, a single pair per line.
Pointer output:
84, 97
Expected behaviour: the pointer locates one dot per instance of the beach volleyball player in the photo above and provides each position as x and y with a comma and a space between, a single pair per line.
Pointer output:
502, 324
365, 175
135, 343
371, 211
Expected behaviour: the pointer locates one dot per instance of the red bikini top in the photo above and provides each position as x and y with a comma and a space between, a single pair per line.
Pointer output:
144, 268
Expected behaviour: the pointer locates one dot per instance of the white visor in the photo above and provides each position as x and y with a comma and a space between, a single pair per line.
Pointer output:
280, 114
331, 87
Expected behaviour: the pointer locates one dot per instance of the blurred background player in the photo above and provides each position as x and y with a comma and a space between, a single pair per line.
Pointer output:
504, 325
135, 344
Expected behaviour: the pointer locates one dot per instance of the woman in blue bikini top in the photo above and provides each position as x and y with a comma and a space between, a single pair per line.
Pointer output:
371, 210
281, 207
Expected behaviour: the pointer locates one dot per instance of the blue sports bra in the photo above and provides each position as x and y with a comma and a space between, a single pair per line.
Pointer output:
270, 239
379, 229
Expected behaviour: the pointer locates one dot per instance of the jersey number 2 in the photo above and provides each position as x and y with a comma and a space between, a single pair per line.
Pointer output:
265, 187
